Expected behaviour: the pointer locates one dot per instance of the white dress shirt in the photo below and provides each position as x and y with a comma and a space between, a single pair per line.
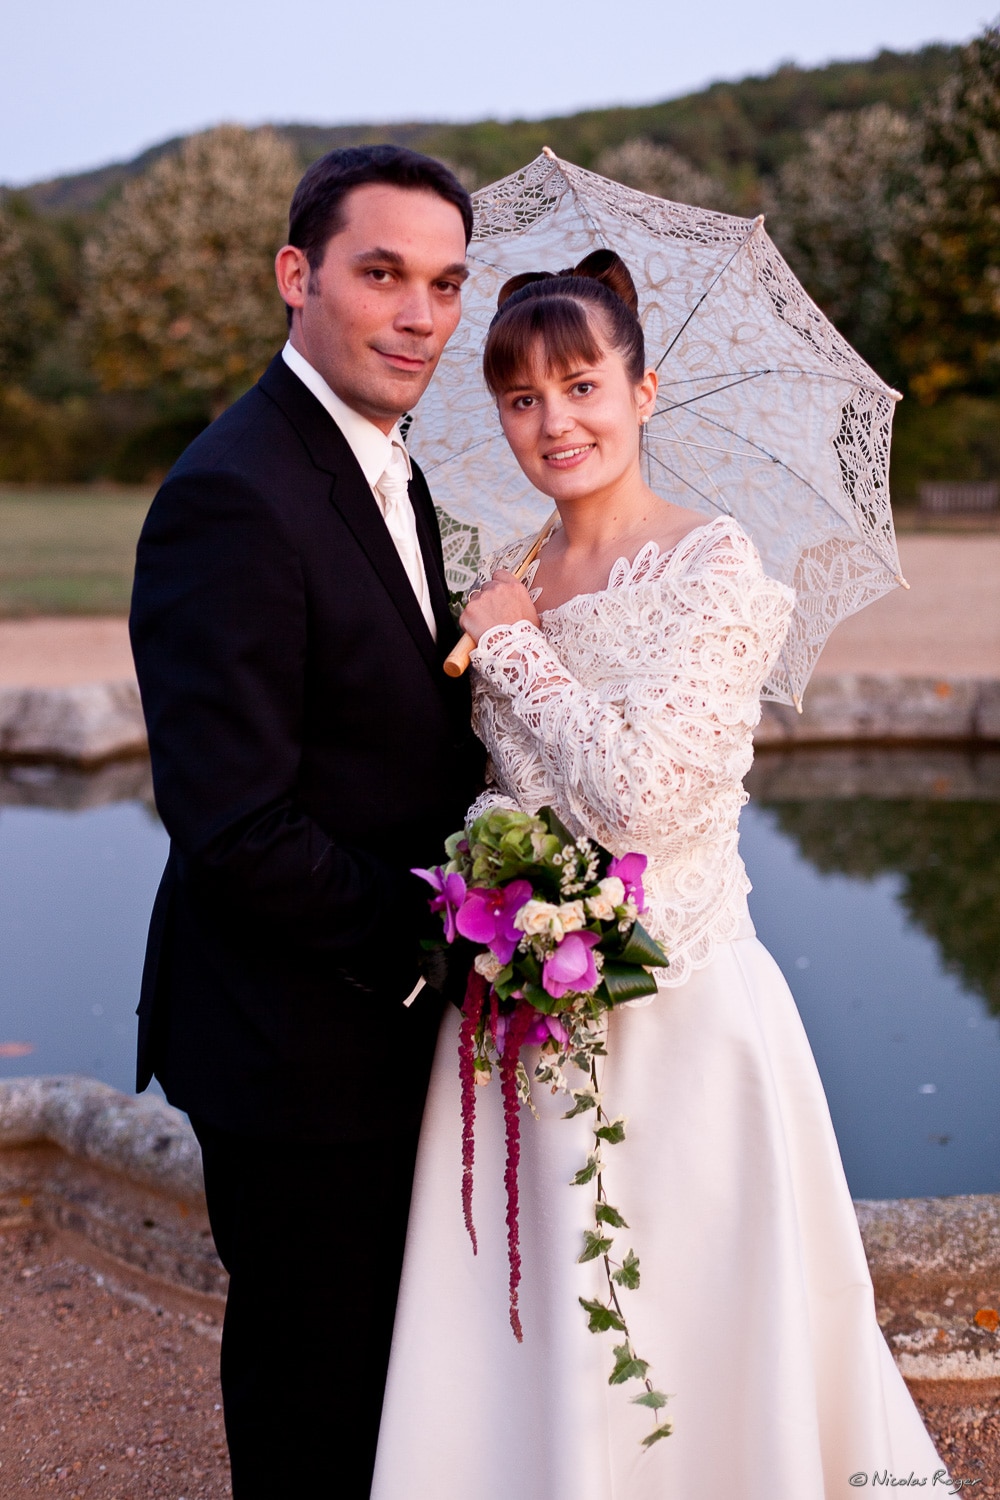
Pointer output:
385, 463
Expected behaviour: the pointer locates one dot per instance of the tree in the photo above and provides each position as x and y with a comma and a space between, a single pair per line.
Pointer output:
661, 171
946, 259
180, 295
17, 297
836, 215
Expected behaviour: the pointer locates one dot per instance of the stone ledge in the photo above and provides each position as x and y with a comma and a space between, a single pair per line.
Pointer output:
138, 1136
851, 707
94, 722
83, 725
125, 1172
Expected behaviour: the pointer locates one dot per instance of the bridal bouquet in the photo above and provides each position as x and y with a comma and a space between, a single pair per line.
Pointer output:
562, 944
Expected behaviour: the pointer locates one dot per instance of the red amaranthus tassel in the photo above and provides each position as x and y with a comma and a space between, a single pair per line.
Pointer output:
517, 1028
472, 1011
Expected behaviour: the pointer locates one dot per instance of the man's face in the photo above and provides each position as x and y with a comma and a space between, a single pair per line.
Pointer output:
376, 315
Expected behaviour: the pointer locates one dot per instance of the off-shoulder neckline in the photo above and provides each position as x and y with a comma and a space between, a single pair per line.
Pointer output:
657, 555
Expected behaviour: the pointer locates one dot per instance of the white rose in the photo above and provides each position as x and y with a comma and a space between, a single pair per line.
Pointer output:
611, 893
572, 916
539, 917
488, 965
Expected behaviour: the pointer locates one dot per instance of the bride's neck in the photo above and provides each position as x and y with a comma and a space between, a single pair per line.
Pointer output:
594, 523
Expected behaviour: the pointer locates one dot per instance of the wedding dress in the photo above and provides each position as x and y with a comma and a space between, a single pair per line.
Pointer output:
631, 712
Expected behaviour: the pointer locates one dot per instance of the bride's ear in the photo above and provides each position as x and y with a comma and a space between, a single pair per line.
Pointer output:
645, 395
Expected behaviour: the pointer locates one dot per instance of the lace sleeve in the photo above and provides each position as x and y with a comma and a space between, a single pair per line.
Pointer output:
640, 755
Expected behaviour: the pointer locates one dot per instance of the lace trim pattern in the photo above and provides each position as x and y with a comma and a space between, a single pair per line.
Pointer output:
631, 713
764, 413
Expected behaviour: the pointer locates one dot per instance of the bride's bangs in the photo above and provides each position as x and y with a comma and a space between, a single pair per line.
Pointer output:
557, 328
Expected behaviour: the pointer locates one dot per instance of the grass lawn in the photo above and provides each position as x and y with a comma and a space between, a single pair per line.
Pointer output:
68, 550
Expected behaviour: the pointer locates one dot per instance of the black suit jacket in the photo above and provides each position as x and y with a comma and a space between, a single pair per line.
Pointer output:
307, 749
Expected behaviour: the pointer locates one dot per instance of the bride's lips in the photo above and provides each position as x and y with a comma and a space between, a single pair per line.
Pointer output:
569, 457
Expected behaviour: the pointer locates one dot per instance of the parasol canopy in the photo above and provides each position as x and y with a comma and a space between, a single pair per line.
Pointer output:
765, 413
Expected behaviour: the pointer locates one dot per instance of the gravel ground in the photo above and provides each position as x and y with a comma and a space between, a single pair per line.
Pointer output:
109, 1387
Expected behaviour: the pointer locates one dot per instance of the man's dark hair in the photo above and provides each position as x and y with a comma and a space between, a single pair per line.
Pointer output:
317, 211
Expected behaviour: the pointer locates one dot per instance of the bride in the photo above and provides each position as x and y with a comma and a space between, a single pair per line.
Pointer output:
620, 684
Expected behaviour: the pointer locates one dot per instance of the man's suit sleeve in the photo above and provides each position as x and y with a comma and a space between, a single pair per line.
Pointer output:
218, 629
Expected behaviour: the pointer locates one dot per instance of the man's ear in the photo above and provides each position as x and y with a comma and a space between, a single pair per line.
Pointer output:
291, 270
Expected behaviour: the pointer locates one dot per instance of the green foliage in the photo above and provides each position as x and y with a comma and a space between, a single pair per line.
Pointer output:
956, 439
946, 853
179, 293
654, 1399
836, 218
605, 1214
178, 304
600, 1318
593, 1245
627, 1274
588, 1173
627, 1366
945, 257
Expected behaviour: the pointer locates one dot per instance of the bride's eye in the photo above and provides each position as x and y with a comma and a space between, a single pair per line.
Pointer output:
522, 403
582, 388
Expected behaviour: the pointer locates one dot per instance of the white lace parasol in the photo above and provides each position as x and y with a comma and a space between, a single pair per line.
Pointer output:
765, 412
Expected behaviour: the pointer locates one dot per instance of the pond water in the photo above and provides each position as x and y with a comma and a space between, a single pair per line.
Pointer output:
876, 886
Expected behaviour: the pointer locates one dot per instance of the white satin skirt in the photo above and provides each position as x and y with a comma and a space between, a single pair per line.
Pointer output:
755, 1309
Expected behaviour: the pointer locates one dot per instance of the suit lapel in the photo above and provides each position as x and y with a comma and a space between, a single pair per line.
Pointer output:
352, 497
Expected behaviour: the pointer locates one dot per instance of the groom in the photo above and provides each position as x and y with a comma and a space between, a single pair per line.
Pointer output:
289, 622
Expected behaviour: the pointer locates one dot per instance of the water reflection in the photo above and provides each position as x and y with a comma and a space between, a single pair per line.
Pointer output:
877, 888
931, 817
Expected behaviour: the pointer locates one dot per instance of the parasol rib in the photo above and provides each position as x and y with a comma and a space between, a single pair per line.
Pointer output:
711, 287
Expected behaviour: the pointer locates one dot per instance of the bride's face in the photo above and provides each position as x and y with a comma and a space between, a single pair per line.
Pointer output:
576, 432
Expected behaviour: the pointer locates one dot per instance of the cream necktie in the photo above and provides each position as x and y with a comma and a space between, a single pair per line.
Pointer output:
393, 492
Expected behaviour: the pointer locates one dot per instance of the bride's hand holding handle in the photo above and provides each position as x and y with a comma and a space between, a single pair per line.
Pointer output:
457, 660
503, 600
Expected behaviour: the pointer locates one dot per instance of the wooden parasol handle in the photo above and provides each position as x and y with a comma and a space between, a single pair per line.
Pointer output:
457, 660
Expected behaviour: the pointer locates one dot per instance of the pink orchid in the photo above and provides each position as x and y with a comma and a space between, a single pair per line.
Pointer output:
451, 893
541, 1028
544, 1029
487, 916
630, 869
571, 966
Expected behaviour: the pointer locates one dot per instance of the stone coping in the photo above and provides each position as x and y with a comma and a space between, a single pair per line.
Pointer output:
125, 1172
82, 725
138, 1136
89, 723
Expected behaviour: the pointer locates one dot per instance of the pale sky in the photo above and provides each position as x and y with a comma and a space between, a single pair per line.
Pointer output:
89, 83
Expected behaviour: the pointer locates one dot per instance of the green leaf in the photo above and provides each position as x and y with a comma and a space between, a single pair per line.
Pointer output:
655, 1399
627, 1274
601, 1318
642, 949
593, 1245
613, 1133
585, 1099
658, 1432
555, 825
626, 981
627, 1366
605, 1214
587, 1173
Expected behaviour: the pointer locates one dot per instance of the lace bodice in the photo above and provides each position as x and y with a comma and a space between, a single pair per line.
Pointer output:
631, 711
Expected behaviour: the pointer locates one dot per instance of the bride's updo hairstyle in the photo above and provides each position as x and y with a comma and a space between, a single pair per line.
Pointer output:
573, 317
